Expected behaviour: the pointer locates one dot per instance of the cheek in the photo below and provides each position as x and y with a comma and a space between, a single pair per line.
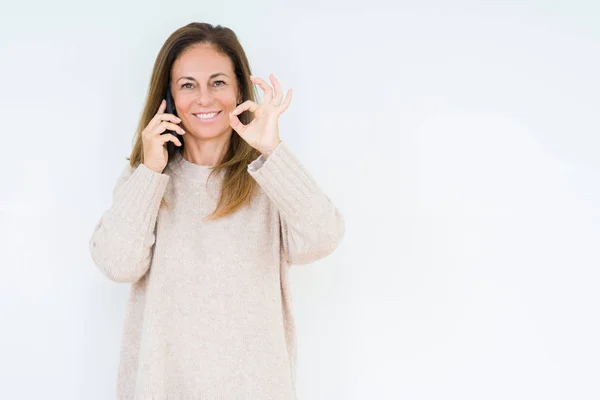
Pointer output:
230, 103
184, 103
228, 98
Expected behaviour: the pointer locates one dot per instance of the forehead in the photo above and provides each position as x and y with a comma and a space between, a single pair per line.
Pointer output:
201, 61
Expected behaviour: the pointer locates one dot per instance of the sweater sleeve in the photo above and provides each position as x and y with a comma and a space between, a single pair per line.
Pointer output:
122, 242
311, 226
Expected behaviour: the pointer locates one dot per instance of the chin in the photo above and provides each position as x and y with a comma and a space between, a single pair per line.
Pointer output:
209, 133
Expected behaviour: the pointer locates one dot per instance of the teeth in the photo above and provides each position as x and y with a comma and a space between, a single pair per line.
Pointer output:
205, 116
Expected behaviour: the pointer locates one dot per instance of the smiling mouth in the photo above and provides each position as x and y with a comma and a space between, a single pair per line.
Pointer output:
207, 116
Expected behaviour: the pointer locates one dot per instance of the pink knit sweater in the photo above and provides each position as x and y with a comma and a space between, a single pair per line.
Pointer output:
209, 314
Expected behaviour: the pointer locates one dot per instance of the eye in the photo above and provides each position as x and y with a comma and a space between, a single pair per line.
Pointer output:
185, 84
223, 82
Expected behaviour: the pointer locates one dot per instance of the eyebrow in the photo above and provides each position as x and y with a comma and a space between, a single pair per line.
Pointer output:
191, 78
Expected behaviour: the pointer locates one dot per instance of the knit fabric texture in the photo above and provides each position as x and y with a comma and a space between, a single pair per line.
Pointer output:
209, 314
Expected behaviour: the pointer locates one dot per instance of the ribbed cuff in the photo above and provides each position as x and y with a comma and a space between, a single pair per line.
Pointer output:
139, 198
287, 182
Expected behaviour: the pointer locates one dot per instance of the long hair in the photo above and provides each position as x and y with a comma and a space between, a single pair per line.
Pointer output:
238, 186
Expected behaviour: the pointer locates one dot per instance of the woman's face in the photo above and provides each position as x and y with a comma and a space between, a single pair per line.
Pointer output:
202, 82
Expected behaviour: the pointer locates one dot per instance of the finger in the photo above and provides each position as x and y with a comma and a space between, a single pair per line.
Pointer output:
156, 118
247, 105
164, 125
286, 102
167, 137
161, 115
169, 117
278, 93
236, 124
265, 87
162, 107
156, 122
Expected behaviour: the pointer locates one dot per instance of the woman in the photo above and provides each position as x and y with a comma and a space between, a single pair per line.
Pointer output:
209, 314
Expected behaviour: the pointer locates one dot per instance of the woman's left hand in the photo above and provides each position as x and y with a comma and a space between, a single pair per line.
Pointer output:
262, 132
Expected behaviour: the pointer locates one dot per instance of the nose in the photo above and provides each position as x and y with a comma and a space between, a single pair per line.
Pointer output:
205, 97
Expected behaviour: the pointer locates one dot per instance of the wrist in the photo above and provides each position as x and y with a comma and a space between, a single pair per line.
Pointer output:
269, 150
152, 168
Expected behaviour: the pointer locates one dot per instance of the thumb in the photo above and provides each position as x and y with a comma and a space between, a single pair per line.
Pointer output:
236, 124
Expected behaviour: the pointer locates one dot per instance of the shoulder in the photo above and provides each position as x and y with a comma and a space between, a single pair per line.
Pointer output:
126, 172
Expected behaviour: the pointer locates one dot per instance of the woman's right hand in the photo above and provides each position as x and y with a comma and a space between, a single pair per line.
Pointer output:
154, 143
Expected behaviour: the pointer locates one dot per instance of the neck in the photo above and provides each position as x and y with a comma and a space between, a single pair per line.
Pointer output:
206, 152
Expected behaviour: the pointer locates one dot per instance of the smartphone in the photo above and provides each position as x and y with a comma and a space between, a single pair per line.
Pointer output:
171, 110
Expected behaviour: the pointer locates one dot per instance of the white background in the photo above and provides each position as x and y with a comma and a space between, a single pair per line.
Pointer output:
459, 139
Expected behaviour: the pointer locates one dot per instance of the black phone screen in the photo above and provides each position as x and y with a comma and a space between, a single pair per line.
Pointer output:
170, 109
170, 103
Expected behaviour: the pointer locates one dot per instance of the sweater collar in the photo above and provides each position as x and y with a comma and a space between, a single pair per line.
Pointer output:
187, 169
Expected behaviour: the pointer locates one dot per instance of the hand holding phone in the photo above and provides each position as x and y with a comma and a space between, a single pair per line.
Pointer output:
161, 129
